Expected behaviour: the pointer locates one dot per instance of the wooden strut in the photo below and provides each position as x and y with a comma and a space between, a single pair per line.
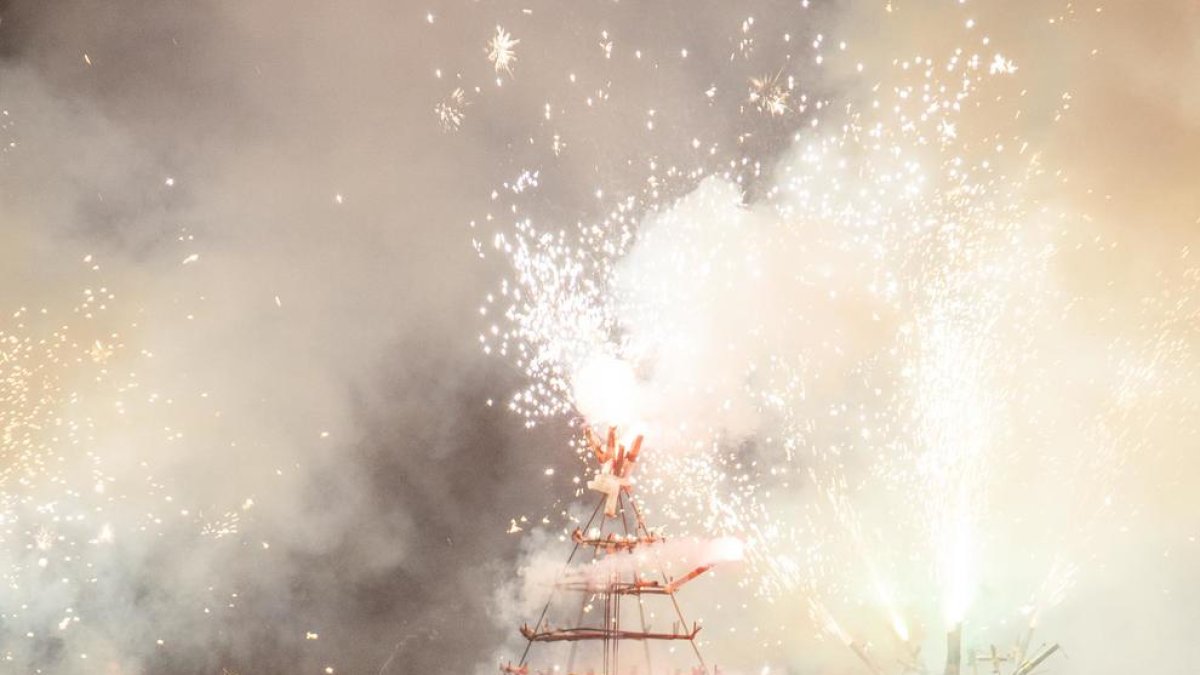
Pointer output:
588, 633
610, 634
641, 607
612, 543
612, 637
546, 607
640, 587
641, 526
637, 587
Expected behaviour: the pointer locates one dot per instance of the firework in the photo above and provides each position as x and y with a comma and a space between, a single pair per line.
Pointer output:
501, 51
451, 111
849, 356
768, 95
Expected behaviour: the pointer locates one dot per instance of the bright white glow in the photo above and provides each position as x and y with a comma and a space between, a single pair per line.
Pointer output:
605, 391
726, 549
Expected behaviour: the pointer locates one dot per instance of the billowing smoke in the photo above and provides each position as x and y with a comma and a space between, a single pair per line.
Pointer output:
246, 419
918, 359
238, 283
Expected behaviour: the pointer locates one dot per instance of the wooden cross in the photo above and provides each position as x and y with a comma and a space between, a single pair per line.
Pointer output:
616, 463
610, 485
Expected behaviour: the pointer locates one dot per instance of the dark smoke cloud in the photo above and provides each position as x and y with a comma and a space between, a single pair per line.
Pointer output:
384, 536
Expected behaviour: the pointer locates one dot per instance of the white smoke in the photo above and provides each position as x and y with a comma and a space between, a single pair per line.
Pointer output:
917, 310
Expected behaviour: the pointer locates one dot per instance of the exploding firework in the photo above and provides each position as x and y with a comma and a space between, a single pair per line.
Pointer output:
451, 111
501, 51
768, 95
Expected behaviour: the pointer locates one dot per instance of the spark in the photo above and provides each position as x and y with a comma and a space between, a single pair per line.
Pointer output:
768, 95
1002, 65
501, 51
606, 45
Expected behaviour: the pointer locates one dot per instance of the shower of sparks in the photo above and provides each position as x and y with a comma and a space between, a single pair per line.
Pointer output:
881, 323
61, 393
451, 111
501, 51
72, 405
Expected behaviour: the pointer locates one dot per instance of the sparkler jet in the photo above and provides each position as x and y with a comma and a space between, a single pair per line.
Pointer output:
954, 651
992, 661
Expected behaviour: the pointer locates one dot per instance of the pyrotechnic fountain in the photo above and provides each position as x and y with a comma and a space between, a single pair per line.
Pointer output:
873, 322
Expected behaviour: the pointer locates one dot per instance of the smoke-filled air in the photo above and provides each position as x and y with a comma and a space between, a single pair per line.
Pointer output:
818, 337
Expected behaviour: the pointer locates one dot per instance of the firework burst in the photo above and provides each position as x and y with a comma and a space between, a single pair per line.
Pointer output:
452, 110
769, 96
501, 51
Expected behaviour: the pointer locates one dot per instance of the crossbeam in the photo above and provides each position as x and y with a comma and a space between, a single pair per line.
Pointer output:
612, 542
589, 633
615, 588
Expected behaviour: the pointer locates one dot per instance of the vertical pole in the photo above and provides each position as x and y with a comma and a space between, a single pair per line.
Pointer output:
666, 581
1030, 665
607, 623
954, 650
641, 605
